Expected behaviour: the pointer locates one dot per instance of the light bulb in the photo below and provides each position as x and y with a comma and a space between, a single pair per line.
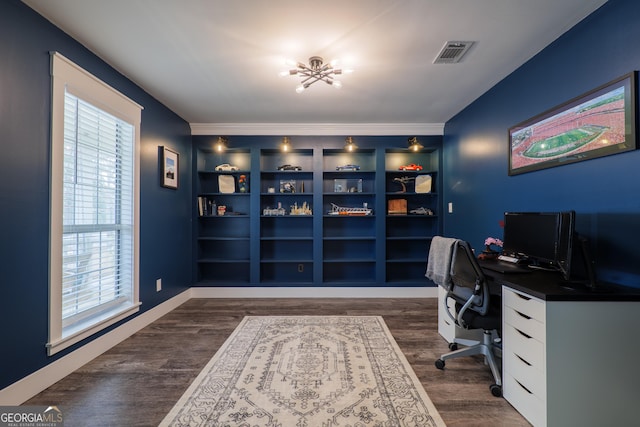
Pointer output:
337, 84
300, 88
284, 147
350, 146
220, 144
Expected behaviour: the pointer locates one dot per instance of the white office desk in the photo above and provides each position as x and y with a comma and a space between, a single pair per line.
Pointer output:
570, 357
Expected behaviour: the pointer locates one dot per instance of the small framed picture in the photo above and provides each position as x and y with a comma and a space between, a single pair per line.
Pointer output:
169, 168
347, 185
287, 186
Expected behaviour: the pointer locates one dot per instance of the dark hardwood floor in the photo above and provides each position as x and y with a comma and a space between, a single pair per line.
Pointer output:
137, 382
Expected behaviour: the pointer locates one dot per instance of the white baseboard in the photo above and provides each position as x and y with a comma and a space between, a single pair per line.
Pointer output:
24, 389
307, 292
29, 386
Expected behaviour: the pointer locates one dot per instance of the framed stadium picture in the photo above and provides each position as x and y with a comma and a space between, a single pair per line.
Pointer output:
596, 124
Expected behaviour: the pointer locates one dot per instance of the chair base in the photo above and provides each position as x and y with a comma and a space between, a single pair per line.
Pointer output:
488, 349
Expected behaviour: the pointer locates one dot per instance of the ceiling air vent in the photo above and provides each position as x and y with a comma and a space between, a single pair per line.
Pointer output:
452, 52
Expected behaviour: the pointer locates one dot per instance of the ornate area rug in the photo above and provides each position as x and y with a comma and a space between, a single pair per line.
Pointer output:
306, 371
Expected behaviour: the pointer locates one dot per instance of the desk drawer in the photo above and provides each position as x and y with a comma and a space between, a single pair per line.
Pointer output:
529, 376
524, 323
446, 327
523, 303
524, 346
525, 402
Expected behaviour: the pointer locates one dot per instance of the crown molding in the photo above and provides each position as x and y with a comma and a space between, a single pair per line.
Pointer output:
317, 129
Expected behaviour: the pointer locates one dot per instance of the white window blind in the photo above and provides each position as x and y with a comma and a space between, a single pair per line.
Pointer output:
98, 210
94, 205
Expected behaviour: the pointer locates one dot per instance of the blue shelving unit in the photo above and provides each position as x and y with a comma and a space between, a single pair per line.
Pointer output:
223, 240
259, 242
408, 235
286, 217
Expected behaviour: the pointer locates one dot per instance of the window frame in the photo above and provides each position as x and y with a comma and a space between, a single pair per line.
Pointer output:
66, 75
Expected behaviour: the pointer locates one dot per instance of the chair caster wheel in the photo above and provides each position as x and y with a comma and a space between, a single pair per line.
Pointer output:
453, 346
496, 390
440, 364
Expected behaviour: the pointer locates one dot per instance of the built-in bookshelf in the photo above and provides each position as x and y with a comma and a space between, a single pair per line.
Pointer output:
286, 217
412, 213
315, 216
223, 214
349, 217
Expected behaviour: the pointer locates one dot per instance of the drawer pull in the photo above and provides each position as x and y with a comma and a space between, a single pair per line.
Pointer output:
523, 297
523, 315
523, 334
524, 361
525, 389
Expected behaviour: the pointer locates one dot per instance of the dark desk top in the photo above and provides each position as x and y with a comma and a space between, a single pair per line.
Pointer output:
550, 286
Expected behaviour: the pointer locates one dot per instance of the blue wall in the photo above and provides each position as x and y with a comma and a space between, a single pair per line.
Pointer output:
603, 192
165, 248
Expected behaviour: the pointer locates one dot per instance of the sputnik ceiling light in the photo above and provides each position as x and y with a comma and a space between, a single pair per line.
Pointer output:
414, 145
316, 71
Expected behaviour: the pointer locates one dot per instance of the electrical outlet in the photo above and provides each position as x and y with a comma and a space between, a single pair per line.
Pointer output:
158, 285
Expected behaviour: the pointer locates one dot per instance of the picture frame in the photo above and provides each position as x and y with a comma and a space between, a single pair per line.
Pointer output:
347, 185
288, 186
598, 123
170, 168
423, 184
226, 184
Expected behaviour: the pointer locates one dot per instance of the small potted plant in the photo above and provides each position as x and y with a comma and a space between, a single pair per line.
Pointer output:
489, 252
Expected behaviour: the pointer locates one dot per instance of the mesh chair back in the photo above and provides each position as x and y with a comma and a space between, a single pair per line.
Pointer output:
467, 279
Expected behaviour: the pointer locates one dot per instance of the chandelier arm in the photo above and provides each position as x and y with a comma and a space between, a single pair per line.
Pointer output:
308, 83
324, 78
326, 73
317, 76
304, 68
306, 74
310, 77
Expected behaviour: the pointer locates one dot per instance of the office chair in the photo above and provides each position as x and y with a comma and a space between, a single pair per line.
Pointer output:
475, 309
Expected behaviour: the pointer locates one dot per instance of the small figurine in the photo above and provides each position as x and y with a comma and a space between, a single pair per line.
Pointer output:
403, 181
243, 185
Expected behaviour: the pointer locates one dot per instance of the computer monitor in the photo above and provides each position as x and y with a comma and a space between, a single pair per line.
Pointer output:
543, 239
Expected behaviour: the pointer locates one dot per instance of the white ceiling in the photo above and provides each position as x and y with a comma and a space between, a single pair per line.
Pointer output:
216, 62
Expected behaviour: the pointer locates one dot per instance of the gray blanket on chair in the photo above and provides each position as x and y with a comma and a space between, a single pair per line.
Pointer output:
439, 264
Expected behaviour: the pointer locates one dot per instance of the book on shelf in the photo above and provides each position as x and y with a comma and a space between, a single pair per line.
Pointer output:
206, 206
